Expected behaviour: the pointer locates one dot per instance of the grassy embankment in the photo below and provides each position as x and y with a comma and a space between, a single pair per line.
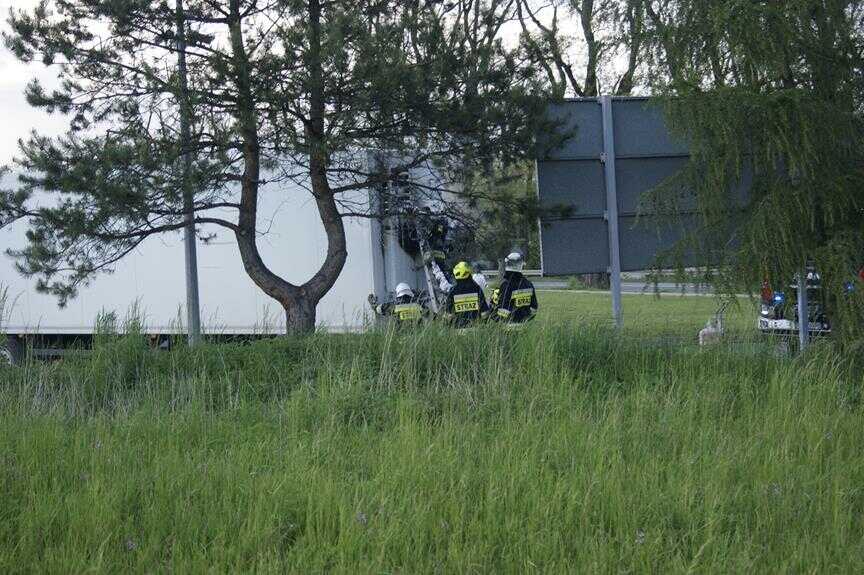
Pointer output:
554, 449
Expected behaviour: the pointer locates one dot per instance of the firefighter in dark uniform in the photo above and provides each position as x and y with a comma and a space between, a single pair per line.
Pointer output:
466, 302
405, 309
515, 300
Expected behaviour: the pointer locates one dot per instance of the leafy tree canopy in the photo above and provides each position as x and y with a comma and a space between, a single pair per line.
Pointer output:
769, 94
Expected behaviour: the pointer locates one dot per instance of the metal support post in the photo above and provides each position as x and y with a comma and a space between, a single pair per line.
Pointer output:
612, 209
803, 312
192, 305
431, 284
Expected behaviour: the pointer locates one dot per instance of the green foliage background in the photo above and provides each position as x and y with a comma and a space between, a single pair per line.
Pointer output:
769, 94
506, 210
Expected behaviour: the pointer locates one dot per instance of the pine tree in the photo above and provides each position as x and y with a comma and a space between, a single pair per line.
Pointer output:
278, 89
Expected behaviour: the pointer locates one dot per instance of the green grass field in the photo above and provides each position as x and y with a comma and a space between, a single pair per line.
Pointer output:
560, 448
648, 314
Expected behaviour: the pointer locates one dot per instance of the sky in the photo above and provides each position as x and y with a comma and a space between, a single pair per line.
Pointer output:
18, 117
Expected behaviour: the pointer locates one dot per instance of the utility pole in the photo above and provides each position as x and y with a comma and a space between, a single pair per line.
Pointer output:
192, 303
803, 311
612, 209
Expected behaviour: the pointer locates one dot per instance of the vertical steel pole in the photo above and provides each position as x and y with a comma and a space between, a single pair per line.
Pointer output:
612, 208
192, 304
803, 312
392, 250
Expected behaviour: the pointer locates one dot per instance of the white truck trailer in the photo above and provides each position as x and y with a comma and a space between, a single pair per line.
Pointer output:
152, 281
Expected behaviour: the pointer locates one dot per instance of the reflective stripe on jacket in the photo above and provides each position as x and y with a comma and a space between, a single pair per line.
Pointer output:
408, 311
466, 302
517, 301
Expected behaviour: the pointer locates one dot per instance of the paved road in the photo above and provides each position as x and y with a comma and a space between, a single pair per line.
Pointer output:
634, 287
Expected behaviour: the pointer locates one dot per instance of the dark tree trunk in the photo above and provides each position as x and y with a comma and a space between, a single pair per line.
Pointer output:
300, 315
635, 26
298, 301
337, 249
587, 16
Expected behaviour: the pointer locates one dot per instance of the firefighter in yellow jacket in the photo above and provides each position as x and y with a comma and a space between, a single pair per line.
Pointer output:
466, 302
405, 309
515, 301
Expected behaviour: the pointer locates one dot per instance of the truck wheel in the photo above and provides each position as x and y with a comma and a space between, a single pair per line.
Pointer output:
11, 351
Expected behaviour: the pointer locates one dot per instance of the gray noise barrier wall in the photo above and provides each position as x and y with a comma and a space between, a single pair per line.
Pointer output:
576, 176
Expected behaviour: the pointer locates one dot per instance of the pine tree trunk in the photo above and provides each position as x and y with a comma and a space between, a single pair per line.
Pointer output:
298, 301
300, 316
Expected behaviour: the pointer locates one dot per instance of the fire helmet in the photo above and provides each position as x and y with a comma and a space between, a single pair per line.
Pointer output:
514, 262
403, 290
462, 271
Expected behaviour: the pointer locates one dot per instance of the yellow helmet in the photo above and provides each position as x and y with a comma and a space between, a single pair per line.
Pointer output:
462, 271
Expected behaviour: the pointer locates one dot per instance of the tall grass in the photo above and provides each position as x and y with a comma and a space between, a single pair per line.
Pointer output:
7, 303
551, 449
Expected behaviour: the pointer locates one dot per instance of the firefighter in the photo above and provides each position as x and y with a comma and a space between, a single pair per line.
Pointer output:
515, 301
405, 309
466, 302
445, 284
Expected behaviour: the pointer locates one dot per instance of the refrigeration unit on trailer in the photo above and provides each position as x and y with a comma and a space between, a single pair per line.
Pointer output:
149, 284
